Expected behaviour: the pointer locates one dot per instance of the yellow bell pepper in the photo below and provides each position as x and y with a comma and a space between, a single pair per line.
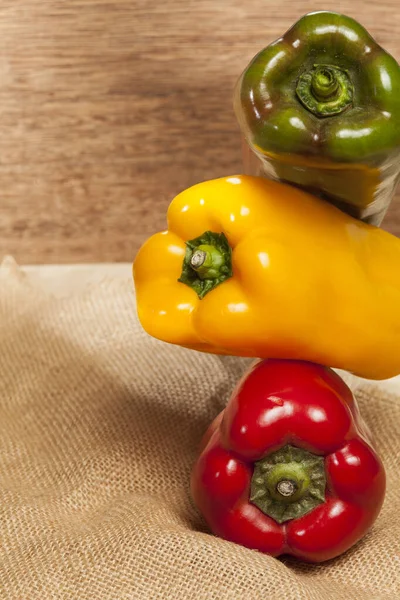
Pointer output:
252, 267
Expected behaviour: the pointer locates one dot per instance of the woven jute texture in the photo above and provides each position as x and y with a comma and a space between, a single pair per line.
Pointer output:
99, 425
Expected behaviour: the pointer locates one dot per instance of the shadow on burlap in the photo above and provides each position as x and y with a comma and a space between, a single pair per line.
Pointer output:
99, 429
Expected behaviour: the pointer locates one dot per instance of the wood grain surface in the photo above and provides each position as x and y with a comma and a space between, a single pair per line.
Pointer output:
110, 108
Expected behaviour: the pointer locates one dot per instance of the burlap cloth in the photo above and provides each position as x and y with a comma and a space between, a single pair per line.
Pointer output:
99, 429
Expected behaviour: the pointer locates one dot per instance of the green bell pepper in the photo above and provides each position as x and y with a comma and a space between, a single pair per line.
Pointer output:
320, 108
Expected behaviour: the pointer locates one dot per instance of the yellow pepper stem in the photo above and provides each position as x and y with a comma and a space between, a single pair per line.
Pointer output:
207, 262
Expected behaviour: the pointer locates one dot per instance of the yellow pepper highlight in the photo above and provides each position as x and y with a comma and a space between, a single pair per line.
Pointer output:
308, 282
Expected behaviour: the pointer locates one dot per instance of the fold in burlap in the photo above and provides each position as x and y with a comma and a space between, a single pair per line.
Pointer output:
99, 429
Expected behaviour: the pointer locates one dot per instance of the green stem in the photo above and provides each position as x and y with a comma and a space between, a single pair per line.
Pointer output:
207, 262
288, 483
324, 84
325, 90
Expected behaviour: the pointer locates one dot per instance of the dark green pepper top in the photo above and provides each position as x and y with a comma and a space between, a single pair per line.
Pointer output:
328, 93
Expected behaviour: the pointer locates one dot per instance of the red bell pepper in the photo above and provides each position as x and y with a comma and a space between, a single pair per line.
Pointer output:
288, 466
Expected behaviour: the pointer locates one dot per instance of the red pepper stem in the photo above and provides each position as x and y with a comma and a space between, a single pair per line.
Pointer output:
288, 483
286, 488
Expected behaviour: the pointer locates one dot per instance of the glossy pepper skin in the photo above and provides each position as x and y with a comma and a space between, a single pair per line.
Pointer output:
307, 281
320, 108
281, 404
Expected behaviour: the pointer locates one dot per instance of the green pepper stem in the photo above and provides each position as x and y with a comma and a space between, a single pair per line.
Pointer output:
324, 84
325, 90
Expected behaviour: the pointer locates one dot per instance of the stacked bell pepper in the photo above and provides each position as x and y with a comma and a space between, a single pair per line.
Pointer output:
320, 108
251, 266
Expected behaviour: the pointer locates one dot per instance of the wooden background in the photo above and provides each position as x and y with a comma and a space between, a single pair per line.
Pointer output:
110, 108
